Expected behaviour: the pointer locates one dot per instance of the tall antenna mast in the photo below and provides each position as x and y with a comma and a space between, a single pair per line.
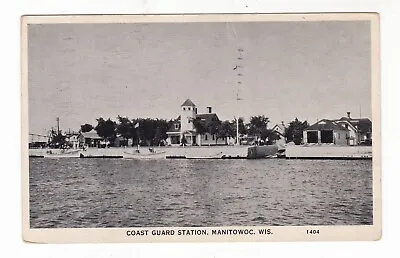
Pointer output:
239, 69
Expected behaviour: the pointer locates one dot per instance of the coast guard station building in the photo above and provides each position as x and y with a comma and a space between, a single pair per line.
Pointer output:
183, 127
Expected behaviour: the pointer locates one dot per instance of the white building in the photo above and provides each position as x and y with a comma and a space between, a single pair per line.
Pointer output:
183, 128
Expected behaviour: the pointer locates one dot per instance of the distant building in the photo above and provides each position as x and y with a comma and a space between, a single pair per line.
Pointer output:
72, 139
183, 128
38, 140
343, 131
326, 131
360, 129
280, 130
90, 139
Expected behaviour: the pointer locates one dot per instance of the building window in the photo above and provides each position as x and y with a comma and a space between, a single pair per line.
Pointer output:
176, 126
213, 137
188, 108
205, 137
184, 108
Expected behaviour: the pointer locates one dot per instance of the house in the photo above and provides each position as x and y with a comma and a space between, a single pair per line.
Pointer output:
174, 132
72, 138
343, 131
38, 141
208, 138
360, 129
326, 131
183, 129
90, 139
280, 130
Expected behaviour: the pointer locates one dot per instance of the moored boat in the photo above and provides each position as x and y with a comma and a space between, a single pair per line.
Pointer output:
62, 153
142, 155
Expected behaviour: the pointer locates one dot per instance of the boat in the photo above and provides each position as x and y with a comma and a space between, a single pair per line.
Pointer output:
88, 156
143, 155
62, 153
281, 154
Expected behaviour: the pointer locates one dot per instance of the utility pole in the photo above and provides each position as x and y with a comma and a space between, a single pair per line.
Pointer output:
58, 125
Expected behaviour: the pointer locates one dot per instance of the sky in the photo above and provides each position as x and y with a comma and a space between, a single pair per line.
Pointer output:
309, 70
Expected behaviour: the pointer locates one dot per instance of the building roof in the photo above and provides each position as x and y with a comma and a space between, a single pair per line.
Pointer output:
208, 117
173, 129
363, 125
188, 103
91, 135
279, 126
326, 124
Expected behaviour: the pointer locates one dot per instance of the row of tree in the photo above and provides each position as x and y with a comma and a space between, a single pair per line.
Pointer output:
221, 129
144, 131
147, 131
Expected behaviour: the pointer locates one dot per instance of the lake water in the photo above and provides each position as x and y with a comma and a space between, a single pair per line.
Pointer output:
83, 193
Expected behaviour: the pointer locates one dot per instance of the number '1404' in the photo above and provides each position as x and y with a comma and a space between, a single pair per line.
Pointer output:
312, 231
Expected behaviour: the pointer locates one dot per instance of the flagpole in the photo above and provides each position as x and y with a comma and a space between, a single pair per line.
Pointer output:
137, 135
237, 131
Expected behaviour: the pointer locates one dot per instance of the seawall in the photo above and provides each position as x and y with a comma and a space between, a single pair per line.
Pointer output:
328, 152
250, 152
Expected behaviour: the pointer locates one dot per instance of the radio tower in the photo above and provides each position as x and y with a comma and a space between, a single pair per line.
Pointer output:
239, 70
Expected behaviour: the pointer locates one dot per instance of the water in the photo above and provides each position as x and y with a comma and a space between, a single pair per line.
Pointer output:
83, 193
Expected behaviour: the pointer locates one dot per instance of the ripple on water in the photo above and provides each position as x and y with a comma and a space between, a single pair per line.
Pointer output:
123, 193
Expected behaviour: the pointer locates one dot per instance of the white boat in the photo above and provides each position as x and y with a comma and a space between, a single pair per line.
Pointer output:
62, 153
144, 155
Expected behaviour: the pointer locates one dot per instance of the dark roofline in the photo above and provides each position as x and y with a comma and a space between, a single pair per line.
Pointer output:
188, 103
316, 126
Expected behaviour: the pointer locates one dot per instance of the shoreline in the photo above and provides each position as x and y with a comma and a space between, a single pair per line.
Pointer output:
212, 152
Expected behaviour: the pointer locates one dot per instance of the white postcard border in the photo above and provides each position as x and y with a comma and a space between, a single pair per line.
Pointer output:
279, 233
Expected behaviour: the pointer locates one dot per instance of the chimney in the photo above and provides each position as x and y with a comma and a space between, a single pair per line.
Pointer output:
348, 114
209, 110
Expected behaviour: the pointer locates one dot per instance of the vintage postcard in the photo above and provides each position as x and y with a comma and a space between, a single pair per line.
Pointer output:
199, 128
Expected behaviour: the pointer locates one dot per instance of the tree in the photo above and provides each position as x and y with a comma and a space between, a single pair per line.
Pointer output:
106, 128
258, 126
152, 131
146, 131
161, 127
213, 128
86, 128
124, 127
294, 132
270, 136
199, 126
57, 139
242, 126
225, 130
